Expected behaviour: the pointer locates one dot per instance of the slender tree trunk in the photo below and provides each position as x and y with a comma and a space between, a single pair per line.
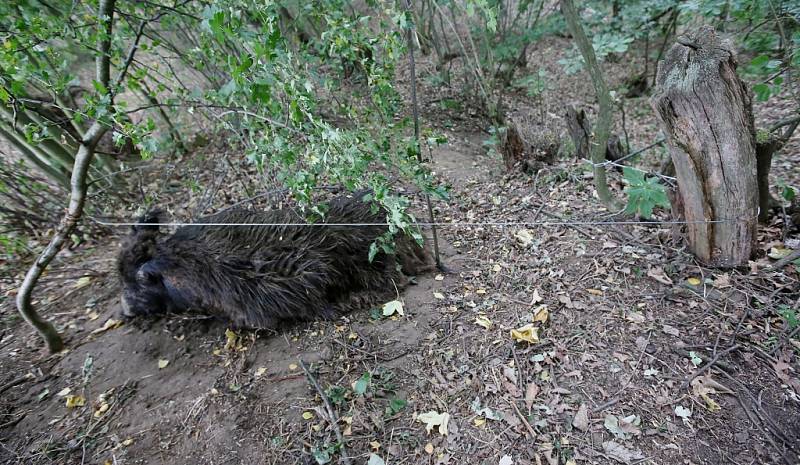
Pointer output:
77, 195
706, 113
32, 156
603, 127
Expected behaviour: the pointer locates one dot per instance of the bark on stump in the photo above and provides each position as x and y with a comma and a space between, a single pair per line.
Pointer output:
580, 131
706, 112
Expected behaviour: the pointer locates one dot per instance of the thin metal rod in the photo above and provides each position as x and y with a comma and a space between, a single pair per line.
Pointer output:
415, 109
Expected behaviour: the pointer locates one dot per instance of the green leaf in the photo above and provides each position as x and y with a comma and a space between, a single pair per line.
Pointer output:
762, 92
216, 23
760, 60
336, 394
322, 456
790, 316
360, 386
395, 406
788, 193
643, 194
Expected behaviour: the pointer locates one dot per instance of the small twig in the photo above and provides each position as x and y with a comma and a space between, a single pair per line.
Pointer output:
522, 417
707, 365
17, 382
605, 405
780, 343
755, 415
332, 418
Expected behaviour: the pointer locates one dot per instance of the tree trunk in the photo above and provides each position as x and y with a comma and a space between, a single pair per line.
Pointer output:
706, 112
77, 197
763, 165
603, 127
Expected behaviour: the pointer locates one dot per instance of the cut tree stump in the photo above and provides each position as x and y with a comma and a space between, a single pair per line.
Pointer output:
705, 110
580, 131
526, 156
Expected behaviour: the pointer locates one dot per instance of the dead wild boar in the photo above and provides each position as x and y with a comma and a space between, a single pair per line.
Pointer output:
257, 276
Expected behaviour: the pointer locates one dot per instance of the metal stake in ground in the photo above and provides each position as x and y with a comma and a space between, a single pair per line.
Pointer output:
409, 35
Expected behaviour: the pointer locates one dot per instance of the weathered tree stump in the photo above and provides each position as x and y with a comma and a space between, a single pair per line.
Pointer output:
526, 156
705, 110
580, 131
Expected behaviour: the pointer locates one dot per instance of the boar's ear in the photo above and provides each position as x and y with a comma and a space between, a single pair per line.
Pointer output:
151, 216
148, 274
139, 246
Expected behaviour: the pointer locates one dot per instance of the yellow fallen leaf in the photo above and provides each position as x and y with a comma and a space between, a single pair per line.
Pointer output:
542, 314
109, 324
434, 418
103, 408
93, 316
307, 415
776, 253
260, 371
83, 282
429, 448
375, 445
395, 306
524, 237
231, 339
481, 291
127, 442
438, 295
216, 351
527, 333
162, 363
594, 291
75, 401
496, 268
292, 366
479, 422
694, 281
711, 404
482, 320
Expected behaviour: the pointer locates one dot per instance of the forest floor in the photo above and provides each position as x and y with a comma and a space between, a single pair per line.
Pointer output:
641, 355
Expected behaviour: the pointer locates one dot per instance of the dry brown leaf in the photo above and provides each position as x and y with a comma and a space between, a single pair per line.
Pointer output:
621, 453
530, 394
581, 420
109, 324
482, 320
707, 385
659, 275
541, 314
671, 330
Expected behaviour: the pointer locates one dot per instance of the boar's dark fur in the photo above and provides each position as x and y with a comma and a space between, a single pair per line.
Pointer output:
258, 276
